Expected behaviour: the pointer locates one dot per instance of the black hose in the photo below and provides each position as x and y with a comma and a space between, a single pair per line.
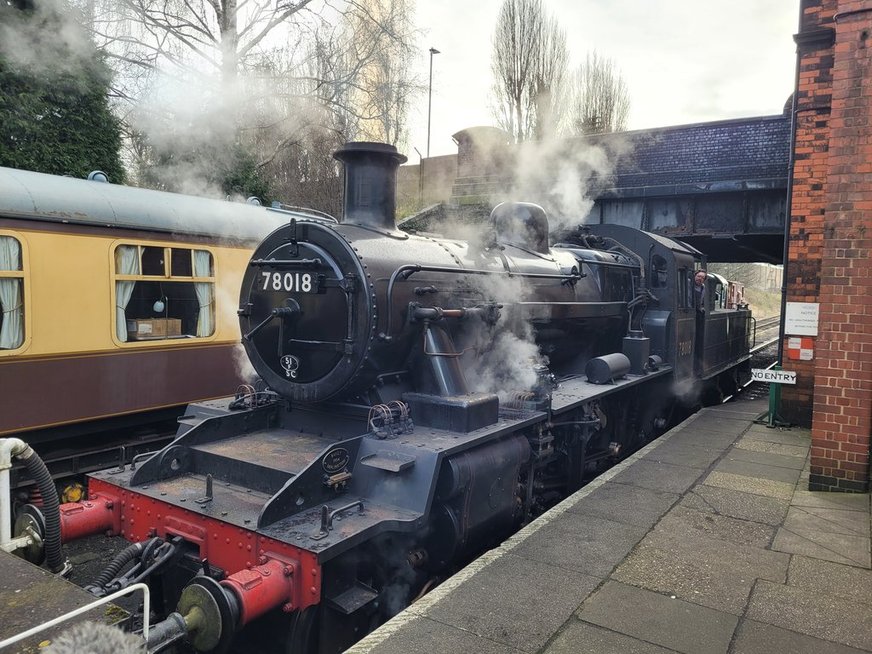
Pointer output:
51, 509
125, 556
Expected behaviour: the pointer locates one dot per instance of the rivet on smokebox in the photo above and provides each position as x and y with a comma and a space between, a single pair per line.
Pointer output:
288, 608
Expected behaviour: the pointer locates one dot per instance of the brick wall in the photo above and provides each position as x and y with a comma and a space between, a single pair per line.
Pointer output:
843, 370
830, 239
812, 104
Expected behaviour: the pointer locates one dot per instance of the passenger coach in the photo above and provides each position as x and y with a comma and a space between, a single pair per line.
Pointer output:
118, 304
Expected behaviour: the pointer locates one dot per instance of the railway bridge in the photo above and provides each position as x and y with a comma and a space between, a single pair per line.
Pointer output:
720, 186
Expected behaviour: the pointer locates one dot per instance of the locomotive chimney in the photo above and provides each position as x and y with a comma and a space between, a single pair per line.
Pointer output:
370, 183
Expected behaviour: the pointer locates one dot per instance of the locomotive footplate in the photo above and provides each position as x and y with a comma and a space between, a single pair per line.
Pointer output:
573, 392
324, 496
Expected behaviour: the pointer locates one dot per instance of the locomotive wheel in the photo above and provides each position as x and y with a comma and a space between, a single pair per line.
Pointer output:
302, 634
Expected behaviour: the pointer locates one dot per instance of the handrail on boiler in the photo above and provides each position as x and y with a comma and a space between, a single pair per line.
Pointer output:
410, 269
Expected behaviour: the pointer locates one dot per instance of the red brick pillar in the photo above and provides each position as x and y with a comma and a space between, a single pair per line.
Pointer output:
843, 350
808, 201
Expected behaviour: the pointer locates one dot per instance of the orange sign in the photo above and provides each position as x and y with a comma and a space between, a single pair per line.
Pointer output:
800, 348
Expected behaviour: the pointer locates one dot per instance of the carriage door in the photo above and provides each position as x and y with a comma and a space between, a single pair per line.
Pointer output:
685, 323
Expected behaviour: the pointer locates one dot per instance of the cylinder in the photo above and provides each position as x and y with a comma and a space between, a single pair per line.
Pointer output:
261, 588
637, 347
607, 368
80, 519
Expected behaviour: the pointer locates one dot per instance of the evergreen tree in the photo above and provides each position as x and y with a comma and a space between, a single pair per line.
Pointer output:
54, 109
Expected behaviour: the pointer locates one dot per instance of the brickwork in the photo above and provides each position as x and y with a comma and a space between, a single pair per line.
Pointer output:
830, 238
812, 104
843, 370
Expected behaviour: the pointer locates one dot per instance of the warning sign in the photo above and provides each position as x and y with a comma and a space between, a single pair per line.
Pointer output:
773, 376
800, 348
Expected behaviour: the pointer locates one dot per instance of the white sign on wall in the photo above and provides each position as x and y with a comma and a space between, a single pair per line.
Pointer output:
773, 376
801, 318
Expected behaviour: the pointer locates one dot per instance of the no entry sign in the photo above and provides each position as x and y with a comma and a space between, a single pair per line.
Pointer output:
773, 376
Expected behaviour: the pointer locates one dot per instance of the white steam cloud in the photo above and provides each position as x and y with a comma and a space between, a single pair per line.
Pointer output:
48, 41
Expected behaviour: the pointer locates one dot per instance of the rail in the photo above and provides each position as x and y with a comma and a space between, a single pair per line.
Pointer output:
761, 326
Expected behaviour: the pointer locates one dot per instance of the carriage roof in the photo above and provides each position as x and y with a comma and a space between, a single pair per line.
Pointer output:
34, 196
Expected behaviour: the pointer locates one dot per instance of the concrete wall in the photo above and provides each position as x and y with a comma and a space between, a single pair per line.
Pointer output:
438, 177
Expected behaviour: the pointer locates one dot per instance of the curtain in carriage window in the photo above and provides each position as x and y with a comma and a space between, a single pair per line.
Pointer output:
12, 325
205, 293
126, 263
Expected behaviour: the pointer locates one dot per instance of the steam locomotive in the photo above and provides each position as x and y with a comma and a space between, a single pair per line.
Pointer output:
420, 398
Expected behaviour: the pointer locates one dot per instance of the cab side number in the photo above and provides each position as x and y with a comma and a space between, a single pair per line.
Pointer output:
290, 282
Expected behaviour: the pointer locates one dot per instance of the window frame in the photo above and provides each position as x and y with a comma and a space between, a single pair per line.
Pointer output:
167, 276
24, 275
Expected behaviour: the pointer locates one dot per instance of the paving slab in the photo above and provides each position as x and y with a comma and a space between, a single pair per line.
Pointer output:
419, 636
705, 438
805, 534
813, 613
628, 504
798, 451
737, 504
837, 521
676, 559
757, 638
496, 602
708, 423
659, 619
587, 544
722, 527
799, 437
658, 476
767, 488
681, 454
849, 582
765, 458
850, 501
735, 466
577, 636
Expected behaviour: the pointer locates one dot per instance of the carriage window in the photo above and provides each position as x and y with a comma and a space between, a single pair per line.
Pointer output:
11, 294
163, 293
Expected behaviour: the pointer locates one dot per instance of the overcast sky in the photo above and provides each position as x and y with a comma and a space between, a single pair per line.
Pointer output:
684, 61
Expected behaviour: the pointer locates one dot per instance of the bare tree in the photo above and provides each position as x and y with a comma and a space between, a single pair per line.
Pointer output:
529, 61
197, 80
384, 85
601, 100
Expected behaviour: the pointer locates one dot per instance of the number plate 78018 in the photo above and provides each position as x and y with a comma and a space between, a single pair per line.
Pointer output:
290, 282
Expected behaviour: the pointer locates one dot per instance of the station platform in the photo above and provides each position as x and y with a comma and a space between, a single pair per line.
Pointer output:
706, 541
30, 595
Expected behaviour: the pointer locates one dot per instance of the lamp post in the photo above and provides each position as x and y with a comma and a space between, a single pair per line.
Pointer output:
420, 178
433, 51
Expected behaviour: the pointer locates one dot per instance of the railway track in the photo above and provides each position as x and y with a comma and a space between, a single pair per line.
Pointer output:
766, 331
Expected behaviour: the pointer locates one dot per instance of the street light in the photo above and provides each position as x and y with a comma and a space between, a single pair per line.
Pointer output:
433, 51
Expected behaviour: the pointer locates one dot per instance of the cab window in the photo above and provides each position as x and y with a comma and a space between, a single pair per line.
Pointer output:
11, 293
163, 293
684, 290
